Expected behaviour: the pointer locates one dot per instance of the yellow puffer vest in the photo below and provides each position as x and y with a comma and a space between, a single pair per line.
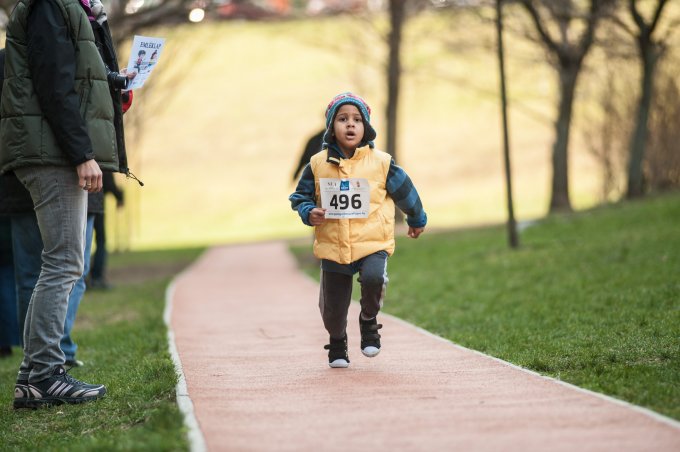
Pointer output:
348, 240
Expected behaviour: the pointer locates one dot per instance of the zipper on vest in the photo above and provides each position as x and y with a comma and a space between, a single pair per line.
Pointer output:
129, 175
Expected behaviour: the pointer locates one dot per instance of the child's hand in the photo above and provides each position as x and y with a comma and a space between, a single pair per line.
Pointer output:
415, 232
317, 216
130, 75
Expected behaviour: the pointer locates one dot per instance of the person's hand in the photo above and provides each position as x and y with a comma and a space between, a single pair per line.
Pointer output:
90, 176
317, 216
414, 233
130, 76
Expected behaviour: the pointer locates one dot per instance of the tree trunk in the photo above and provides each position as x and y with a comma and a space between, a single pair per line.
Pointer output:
513, 238
559, 200
639, 138
394, 74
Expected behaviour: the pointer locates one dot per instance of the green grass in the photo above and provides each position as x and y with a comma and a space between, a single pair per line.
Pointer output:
122, 339
591, 298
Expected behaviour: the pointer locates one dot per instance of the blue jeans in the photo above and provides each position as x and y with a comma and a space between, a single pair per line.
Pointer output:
67, 345
61, 212
9, 329
27, 249
27, 246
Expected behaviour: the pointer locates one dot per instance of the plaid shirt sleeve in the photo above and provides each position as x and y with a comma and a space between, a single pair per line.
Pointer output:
304, 198
405, 196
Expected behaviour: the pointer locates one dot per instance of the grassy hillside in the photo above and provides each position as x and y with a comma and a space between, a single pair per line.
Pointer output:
592, 299
123, 341
217, 133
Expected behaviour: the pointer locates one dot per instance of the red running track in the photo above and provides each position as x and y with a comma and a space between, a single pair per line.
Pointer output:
249, 335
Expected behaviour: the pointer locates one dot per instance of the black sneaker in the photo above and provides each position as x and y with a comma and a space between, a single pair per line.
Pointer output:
21, 394
60, 388
370, 338
337, 352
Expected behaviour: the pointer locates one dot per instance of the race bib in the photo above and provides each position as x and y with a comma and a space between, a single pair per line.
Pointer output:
345, 198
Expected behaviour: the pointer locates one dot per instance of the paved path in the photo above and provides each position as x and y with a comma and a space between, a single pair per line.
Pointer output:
250, 339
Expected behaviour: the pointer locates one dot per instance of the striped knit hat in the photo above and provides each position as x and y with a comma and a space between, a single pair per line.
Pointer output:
364, 109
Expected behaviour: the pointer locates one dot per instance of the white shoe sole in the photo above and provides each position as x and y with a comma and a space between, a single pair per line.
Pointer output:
370, 351
339, 363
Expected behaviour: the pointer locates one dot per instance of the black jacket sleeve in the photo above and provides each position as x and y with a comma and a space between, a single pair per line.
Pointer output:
111, 187
52, 63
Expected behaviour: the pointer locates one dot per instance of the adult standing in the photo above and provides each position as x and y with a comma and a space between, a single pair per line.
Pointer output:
56, 134
9, 329
117, 81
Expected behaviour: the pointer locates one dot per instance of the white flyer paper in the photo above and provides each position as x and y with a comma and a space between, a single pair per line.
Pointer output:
143, 58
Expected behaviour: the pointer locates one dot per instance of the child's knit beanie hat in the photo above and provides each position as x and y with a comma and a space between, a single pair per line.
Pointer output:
364, 109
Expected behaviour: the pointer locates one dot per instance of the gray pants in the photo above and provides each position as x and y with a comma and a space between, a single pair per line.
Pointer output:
61, 209
335, 292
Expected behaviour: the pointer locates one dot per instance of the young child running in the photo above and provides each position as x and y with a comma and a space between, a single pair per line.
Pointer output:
348, 192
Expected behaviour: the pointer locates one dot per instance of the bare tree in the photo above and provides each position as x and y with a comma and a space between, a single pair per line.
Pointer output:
650, 50
397, 13
513, 239
662, 153
556, 23
125, 24
608, 124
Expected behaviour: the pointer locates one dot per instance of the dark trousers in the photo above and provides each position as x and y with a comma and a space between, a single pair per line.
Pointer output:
99, 258
335, 291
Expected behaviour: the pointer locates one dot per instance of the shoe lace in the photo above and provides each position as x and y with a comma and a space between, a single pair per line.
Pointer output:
70, 379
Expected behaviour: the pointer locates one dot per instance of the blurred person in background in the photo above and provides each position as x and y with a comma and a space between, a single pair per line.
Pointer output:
9, 328
98, 279
9, 325
312, 147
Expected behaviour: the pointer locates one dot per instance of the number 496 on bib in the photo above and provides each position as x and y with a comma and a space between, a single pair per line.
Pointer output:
345, 198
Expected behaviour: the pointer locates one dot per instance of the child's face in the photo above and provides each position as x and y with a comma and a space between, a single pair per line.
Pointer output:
348, 127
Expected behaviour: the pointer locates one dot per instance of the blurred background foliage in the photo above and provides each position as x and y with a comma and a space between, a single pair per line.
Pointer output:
217, 130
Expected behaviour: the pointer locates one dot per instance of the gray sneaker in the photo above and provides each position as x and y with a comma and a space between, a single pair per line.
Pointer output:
57, 389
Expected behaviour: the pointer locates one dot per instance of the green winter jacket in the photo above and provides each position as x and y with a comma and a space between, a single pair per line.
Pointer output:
26, 136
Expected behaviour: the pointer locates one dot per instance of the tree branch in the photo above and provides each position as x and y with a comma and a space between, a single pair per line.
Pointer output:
536, 18
621, 24
657, 15
637, 17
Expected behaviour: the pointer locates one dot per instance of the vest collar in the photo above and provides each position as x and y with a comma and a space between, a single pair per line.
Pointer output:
335, 155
